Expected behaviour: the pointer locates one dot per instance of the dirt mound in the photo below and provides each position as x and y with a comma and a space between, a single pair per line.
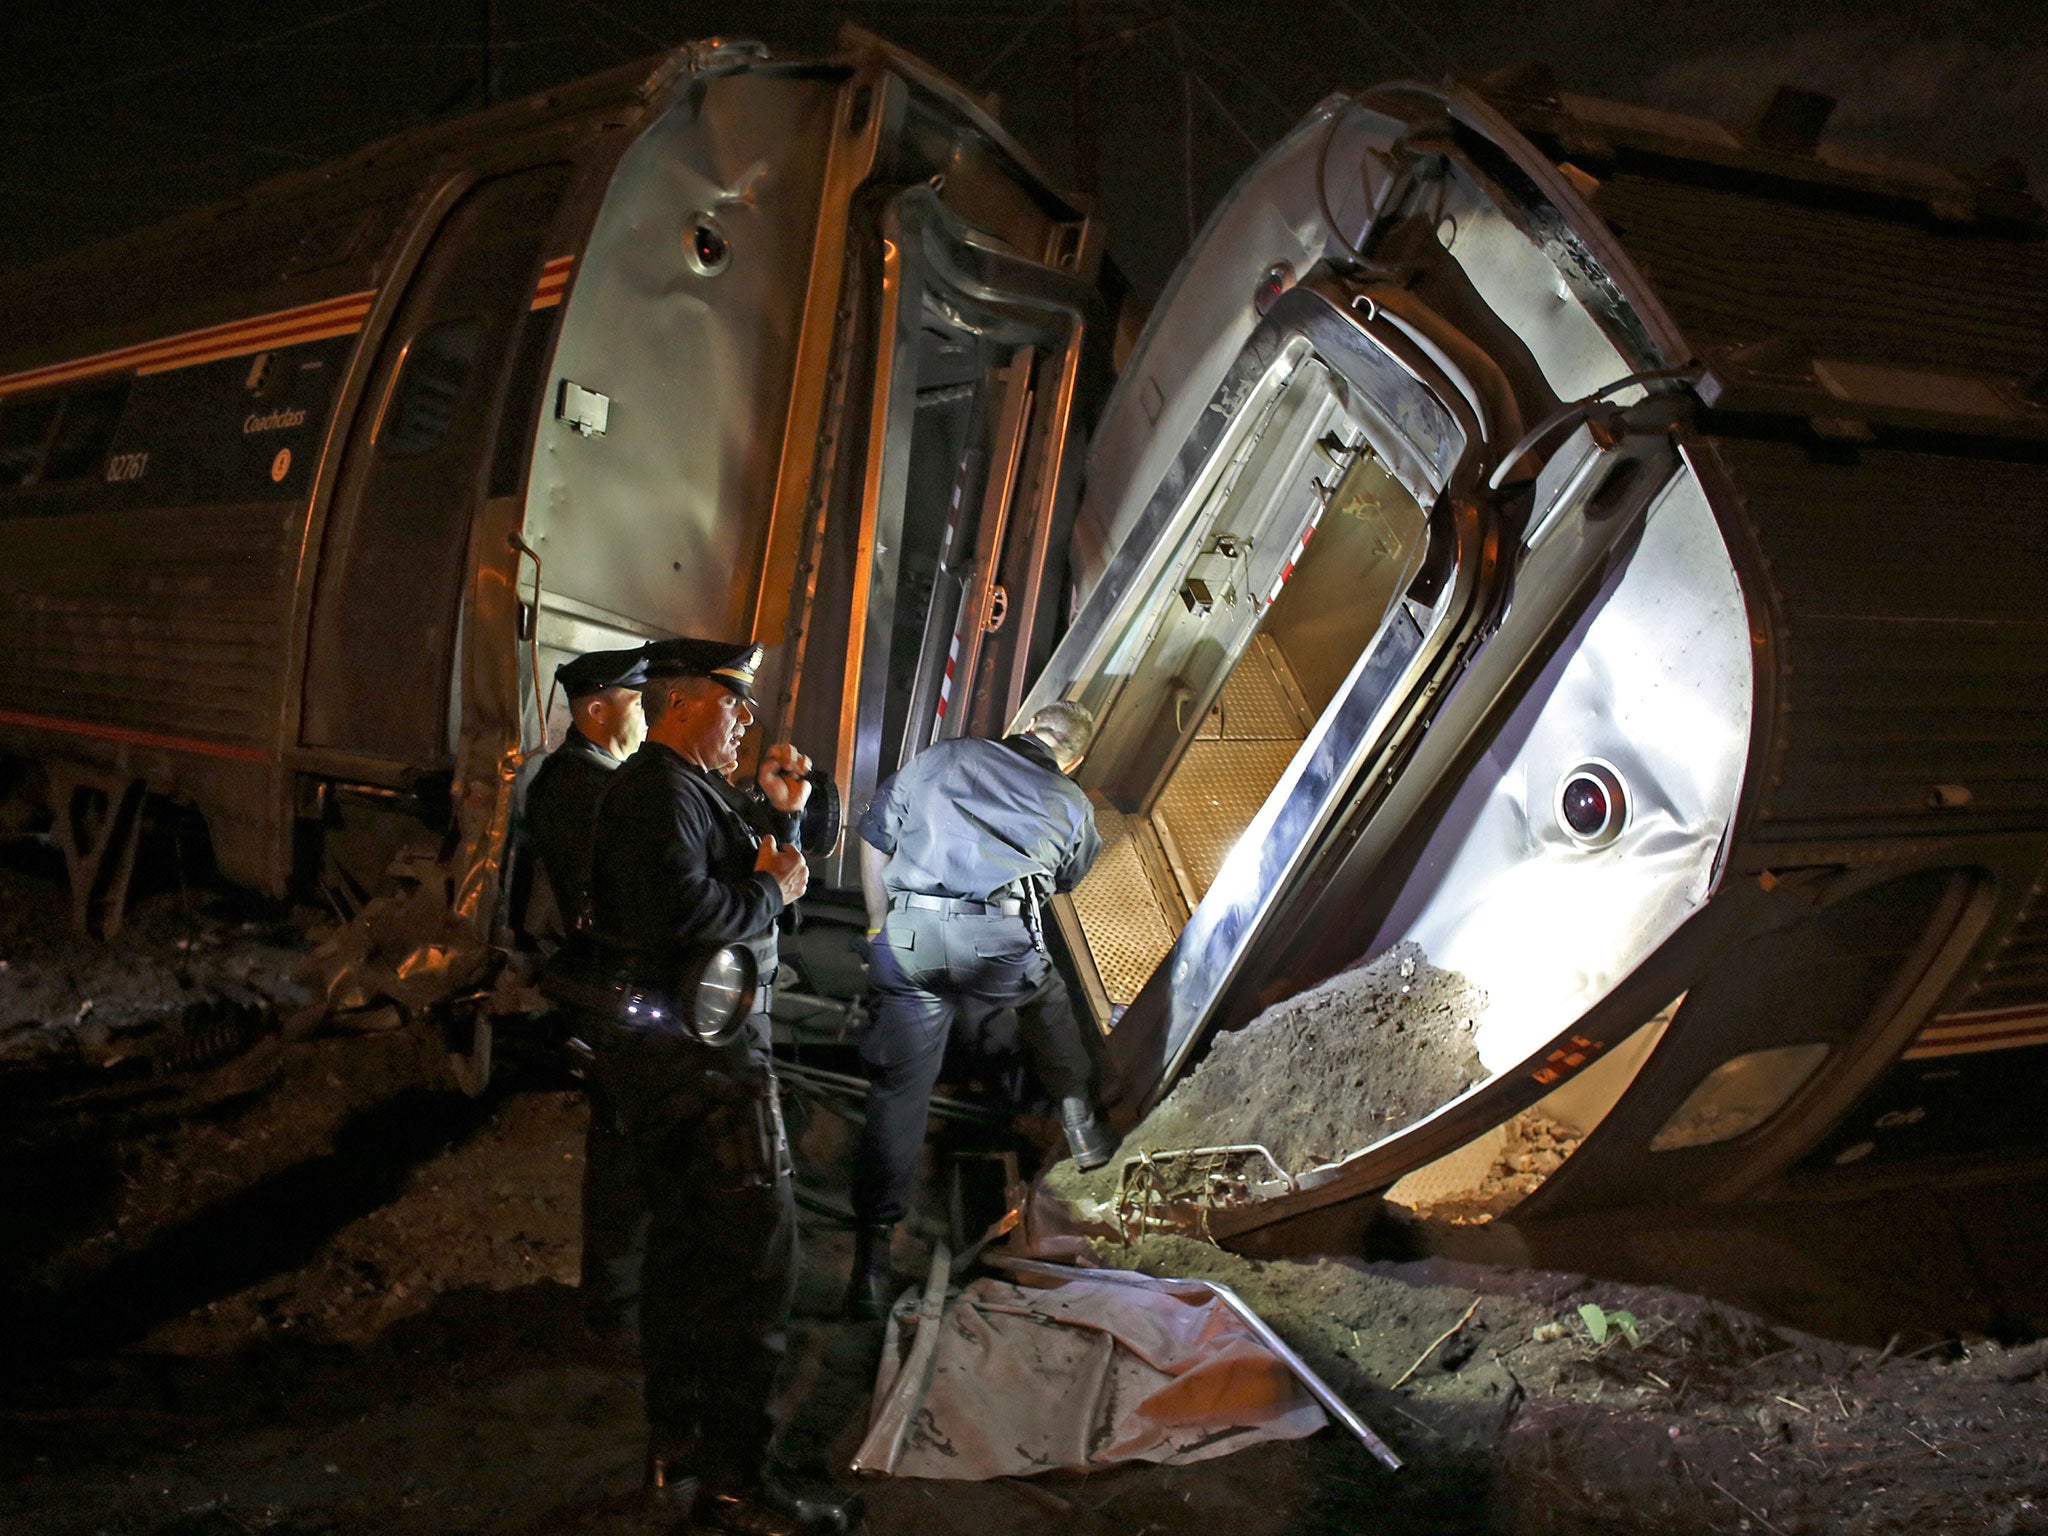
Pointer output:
1321, 1075
1533, 1147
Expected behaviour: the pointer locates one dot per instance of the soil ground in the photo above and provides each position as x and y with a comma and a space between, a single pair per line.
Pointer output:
300, 1286
1370, 1050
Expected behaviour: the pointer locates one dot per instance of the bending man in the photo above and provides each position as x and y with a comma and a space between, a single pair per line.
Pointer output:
958, 850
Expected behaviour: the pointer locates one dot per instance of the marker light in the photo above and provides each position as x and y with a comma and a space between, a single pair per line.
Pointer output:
1592, 804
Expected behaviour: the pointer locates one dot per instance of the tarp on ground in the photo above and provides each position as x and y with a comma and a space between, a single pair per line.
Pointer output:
1085, 1374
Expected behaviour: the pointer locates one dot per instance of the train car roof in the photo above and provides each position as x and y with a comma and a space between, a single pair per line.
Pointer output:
1781, 149
296, 238
318, 233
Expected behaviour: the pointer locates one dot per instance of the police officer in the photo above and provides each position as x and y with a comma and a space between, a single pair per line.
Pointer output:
683, 863
958, 851
606, 723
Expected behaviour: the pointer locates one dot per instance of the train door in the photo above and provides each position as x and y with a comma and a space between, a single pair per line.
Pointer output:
1257, 649
381, 650
957, 573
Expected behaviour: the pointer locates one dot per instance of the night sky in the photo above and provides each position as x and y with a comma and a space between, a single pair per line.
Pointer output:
115, 115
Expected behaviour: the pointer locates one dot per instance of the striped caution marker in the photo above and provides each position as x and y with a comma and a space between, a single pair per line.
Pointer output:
1991, 1029
1294, 558
554, 279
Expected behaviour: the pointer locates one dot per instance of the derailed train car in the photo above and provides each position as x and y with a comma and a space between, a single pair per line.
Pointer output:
1602, 550
1587, 543
303, 497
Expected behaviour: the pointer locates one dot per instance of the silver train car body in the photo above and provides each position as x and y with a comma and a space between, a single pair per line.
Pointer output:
1603, 550
303, 498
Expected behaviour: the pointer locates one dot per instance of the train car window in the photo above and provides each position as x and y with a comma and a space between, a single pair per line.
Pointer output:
523, 394
85, 432
24, 434
387, 602
438, 368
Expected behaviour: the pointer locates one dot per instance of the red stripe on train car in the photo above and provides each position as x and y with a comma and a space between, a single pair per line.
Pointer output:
1993, 1029
135, 737
307, 322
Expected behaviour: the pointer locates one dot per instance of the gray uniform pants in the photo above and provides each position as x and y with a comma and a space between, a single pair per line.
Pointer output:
926, 969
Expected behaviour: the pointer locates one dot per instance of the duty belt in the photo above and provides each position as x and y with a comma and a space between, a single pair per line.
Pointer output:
631, 1007
1002, 906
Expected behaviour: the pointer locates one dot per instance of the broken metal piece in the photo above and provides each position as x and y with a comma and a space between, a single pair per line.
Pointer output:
98, 827
897, 1408
1205, 1179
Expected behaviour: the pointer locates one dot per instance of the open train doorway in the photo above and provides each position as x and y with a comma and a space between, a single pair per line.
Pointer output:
1231, 681
1249, 657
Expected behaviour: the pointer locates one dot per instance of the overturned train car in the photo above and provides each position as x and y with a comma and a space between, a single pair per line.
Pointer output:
1602, 549
303, 497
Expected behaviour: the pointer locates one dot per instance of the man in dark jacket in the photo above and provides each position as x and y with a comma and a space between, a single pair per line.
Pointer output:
683, 864
958, 851
606, 723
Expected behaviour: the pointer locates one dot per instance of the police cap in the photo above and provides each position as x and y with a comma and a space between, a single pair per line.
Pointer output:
723, 661
595, 671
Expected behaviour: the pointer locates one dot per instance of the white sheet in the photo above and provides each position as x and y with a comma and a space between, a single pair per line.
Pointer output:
1085, 1374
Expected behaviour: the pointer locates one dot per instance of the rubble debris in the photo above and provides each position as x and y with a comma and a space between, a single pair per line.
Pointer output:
1529, 1149
178, 989
1315, 1078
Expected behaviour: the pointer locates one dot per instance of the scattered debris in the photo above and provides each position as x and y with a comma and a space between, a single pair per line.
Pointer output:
1431, 1347
1532, 1147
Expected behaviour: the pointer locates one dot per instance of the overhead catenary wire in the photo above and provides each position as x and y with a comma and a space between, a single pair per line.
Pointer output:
1209, 91
1017, 40
1380, 35
229, 50
1224, 60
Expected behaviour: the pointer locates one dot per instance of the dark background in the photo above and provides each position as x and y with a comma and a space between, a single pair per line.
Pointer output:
115, 115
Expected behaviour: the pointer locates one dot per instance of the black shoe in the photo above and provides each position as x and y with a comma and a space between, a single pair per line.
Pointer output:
1088, 1139
768, 1508
872, 1290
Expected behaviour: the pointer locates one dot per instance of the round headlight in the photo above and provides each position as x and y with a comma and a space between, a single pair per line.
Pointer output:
1592, 804
706, 250
718, 993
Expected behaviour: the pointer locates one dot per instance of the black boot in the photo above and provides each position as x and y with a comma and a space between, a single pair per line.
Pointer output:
1088, 1139
872, 1290
767, 1507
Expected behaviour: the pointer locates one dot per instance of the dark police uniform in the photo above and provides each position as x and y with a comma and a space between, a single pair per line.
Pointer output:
561, 820
970, 826
561, 815
672, 875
